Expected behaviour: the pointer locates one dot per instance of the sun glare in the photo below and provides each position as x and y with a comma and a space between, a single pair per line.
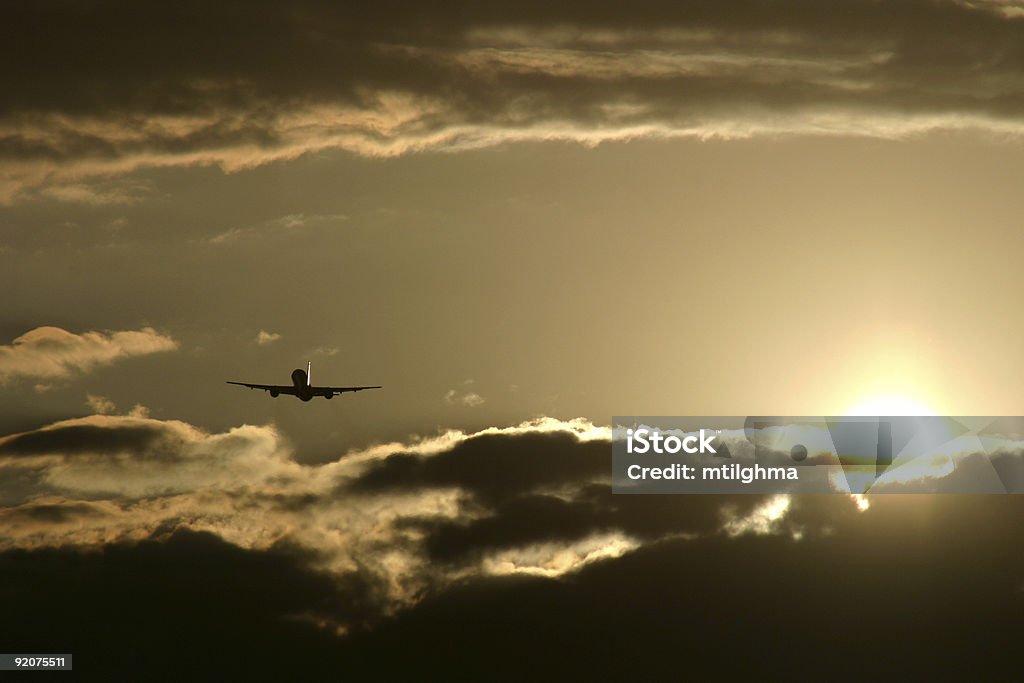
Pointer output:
890, 405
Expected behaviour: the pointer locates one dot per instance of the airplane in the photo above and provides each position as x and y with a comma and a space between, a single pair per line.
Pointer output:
302, 386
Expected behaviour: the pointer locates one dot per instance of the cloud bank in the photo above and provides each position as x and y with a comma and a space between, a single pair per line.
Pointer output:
530, 499
274, 82
199, 540
458, 549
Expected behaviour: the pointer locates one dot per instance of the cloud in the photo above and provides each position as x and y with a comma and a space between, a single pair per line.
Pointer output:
415, 546
54, 353
100, 404
727, 594
139, 410
180, 587
364, 508
264, 338
416, 516
50, 512
526, 461
288, 227
464, 396
103, 437
762, 520
293, 80
134, 456
889, 581
470, 399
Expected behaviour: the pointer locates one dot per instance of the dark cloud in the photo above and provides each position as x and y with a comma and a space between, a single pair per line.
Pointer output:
759, 607
533, 567
533, 518
116, 456
1009, 466
86, 438
521, 521
1006, 427
51, 513
887, 596
493, 467
177, 606
103, 88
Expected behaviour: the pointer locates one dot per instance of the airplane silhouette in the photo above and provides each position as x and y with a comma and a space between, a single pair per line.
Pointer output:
302, 386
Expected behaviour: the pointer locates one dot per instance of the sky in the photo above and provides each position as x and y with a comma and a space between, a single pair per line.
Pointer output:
521, 219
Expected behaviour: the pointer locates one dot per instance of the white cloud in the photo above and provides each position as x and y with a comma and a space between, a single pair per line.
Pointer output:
264, 337
288, 225
139, 410
470, 399
342, 129
464, 396
762, 520
54, 353
100, 404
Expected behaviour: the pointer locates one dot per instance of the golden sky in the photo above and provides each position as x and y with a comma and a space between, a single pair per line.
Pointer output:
520, 218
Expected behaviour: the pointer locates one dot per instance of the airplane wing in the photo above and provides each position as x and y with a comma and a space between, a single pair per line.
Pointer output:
330, 391
280, 389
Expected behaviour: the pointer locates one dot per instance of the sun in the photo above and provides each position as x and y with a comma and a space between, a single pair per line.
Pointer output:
892, 404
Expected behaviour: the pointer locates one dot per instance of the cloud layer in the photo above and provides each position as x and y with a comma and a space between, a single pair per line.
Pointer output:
532, 499
460, 549
279, 81
204, 539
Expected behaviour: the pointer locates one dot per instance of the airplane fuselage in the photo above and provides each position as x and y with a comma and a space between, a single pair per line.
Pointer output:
302, 386
300, 380
303, 390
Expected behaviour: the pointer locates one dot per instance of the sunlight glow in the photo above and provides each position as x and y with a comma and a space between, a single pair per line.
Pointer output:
892, 404
763, 520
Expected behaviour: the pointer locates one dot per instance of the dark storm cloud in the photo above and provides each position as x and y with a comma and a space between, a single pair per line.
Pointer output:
99, 89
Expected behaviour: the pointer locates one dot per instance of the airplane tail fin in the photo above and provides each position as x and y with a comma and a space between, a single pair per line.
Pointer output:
309, 373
